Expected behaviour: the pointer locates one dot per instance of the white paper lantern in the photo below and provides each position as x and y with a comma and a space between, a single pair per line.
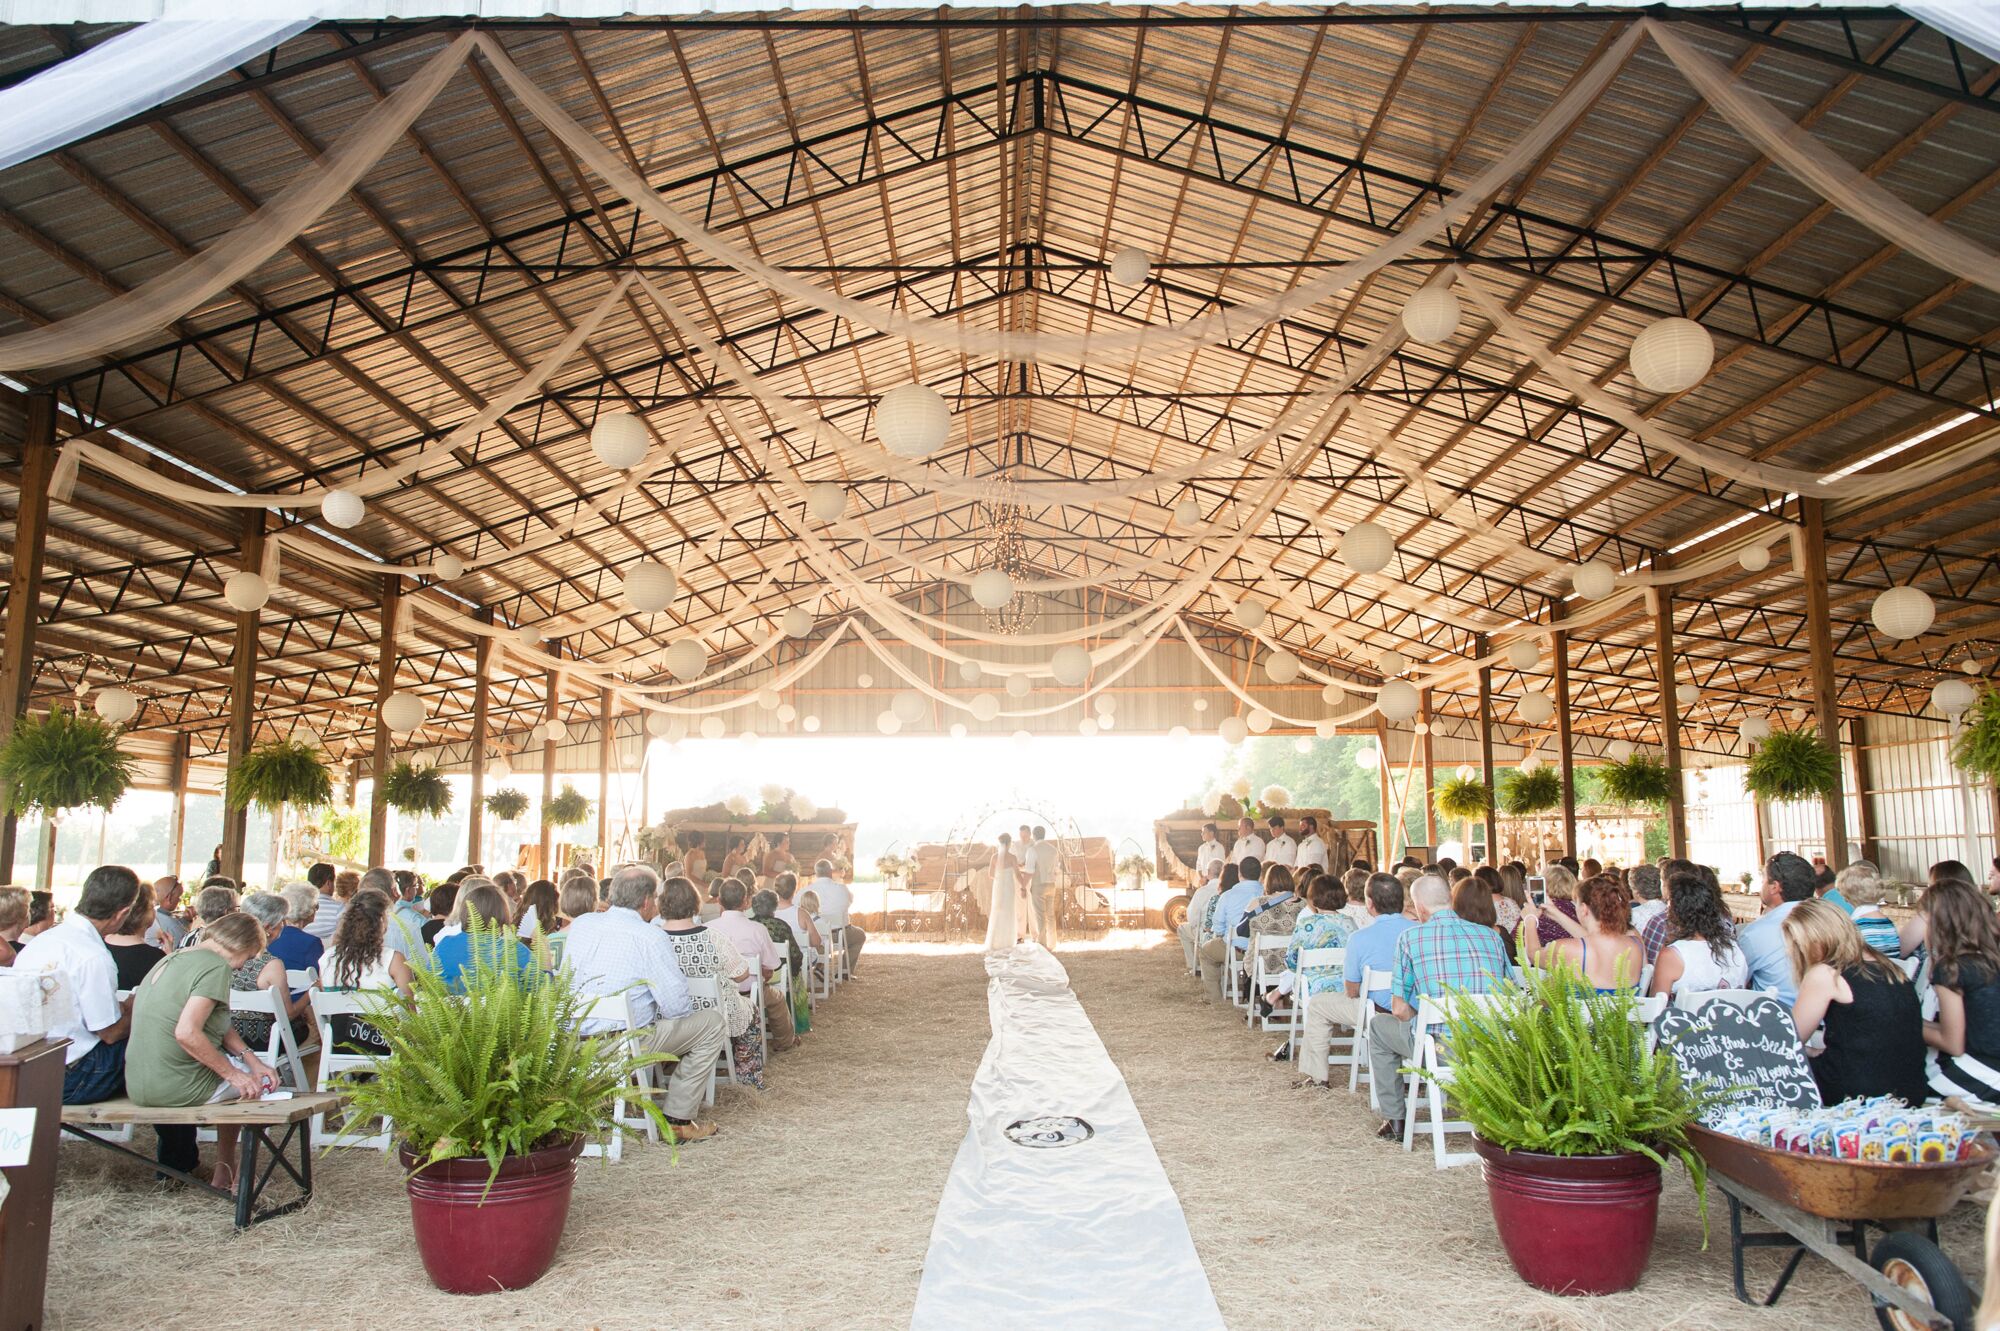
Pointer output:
958, 730
888, 722
1019, 686
1949, 696
1367, 547
1187, 513
685, 658
1531, 761
984, 706
650, 586
1619, 750
712, 727
1799, 715
1421, 728
528, 635
1257, 721
1465, 772
1970, 666
1104, 704
1334, 694
796, 622
1251, 613
746, 737
1070, 665
1593, 581
499, 770
1398, 700
1325, 729
403, 711
246, 591
864, 680
992, 589
912, 420
1281, 667
658, 723
826, 501
1672, 355
557, 731
787, 714
1087, 727
538, 734
447, 567
909, 706
810, 725
619, 439
1754, 559
1181, 732
1392, 662
1130, 266
1535, 708
1106, 721
342, 508
1367, 758
1903, 612
118, 706
1525, 654
768, 698
1233, 730
969, 672
1754, 730
1431, 315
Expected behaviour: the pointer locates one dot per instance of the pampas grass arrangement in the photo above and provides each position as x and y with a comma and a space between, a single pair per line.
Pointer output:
1641, 780
62, 760
418, 790
1793, 765
567, 809
278, 773
506, 804
1526, 793
1977, 749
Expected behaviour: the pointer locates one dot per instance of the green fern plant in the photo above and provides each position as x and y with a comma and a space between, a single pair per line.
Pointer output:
278, 773
62, 760
1977, 749
492, 1065
506, 804
1548, 1066
1793, 765
1526, 793
1641, 780
416, 789
567, 809
1463, 798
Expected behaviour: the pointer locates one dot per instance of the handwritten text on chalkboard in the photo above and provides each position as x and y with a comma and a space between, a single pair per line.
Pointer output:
1751, 1052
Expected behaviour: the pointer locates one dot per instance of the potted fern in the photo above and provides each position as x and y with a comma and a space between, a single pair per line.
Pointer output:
1641, 781
418, 790
280, 773
62, 760
1525, 794
567, 809
1792, 765
1463, 800
1977, 748
507, 804
493, 1095
1574, 1119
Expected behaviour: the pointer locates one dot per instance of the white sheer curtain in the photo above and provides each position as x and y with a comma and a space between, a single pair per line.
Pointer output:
1973, 23
133, 72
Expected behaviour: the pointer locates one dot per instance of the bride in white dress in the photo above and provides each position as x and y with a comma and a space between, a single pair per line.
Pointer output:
1012, 916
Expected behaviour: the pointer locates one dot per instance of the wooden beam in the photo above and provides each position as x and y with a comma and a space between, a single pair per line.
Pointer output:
243, 693
1430, 777
1826, 689
475, 754
552, 695
177, 780
607, 702
1481, 648
24, 595
385, 684
1864, 782
1559, 648
1670, 712
1382, 778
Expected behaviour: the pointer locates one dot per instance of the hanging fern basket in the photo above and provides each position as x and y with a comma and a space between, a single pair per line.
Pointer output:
418, 790
1793, 765
279, 773
1977, 749
506, 804
62, 760
1463, 799
1524, 794
567, 809
1640, 781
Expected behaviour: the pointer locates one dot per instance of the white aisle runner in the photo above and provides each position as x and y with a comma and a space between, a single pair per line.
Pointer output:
1057, 1213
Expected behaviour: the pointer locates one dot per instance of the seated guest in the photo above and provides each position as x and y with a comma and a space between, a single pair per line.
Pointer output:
1190, 929
185, 1052
97, 1022
1356, 883
1316, 988
804, 928
620, 951
537, 915
168, 927
754, 941
1472, 901
1703, 954
1274, 913
210, 904
1513, 886
1656, 933
1860, 885
1441, 953
1506, 910
264, 971
295, 945
1228, 910
1861, 1003
1607, 956
327, 910
579, 898
345, 884
406, 918
1646, 903
129, 948
442, 899
1589, 870
1557, 919
360, 956
1827, 883
704, 952
711, 901
42, 915
13, 919
1788, 883
1915, 930
497, 944
1965, 976
764, 910
835, 902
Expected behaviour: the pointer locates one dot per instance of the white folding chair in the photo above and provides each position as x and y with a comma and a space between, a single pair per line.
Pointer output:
617, 1009
335, 1066
282, 1050
1371, 981
1694, 1000
707, 987
1267, 963
1429, 1078
1341, 1049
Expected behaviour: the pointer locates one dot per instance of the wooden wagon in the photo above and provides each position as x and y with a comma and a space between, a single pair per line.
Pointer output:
949, 885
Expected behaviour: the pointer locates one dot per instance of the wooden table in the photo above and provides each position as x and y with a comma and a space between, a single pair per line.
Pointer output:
30, 1078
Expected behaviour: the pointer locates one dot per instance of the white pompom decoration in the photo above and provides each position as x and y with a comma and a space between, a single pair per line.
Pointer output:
1672, 355
619, 439
246, 591
1281, 667
650, 586
685, 658
1367, 547
118, 706
1070, 665
342, 508
528, 635
826, 501
1187, 513
1903, 612
1130, 266
912, 420
992, 589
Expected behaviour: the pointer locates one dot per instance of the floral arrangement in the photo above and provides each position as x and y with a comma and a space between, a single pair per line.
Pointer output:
1275, 797
1135, 868
63, 760
507, 804
739, 806
279, 773
417, 789
891, 866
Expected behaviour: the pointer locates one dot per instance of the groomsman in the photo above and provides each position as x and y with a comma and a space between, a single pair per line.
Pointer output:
1279, 848
1210, 855
1248, 845
1312, 849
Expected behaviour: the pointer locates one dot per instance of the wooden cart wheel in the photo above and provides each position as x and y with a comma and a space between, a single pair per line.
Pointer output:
1915, 1263
1174, 913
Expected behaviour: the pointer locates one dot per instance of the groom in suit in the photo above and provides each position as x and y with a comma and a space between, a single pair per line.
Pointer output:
1042, 882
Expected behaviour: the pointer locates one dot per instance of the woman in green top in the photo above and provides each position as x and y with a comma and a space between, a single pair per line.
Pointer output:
184, 1052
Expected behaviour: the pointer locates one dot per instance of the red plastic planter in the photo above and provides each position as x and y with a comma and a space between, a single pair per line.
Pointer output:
474, 1240
1573, 1224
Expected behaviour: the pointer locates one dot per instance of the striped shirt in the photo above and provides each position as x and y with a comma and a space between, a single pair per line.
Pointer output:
1446, 952
326, 917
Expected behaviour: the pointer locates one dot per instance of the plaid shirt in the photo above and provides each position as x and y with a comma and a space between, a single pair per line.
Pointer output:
1654, 936
1446, 952
1330, 929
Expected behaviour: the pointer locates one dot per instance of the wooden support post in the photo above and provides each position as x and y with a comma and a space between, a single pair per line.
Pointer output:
385, 684
607, 703
1826, 687
1486, 755
1430, 777
243, 694
1864, 783
1670, 713
1559, 648
552, 701
475, 824
177, 777
24, 593
1382, 775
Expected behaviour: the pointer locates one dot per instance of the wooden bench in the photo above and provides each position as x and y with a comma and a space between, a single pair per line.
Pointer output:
256, 1119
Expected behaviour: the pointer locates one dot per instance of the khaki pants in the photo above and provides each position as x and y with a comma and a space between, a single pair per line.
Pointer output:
697, 1038
1045, 919
1323, 1013
855, 938
778, 1018
1390, 1049
1187, 942
1214, 957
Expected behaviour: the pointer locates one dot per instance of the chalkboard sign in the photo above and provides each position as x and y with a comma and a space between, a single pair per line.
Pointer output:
1752, 1052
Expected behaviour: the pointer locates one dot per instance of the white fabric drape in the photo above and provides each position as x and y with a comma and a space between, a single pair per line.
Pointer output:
154, 304
1973, 23
131, 73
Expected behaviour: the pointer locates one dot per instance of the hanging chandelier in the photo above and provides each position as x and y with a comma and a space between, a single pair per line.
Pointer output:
1005, 549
